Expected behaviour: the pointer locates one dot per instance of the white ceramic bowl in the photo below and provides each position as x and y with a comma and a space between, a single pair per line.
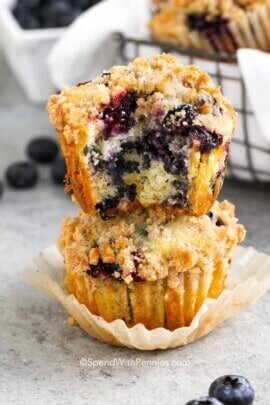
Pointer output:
26, 52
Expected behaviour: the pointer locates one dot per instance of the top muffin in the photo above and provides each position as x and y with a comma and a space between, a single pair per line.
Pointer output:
220, 25
153, 133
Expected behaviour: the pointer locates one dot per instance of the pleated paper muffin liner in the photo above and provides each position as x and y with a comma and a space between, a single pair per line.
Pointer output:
252, 30
152, 303
249, 279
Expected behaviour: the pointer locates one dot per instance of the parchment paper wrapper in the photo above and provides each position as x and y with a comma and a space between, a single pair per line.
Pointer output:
249, 279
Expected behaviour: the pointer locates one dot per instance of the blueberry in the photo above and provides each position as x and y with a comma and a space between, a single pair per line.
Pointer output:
101, 269
205, 401
42, 150
1, 189
232, 390
21, 175
26, 18
59, 171
185, 113
129, 146
118, 117
208, 140
58, 13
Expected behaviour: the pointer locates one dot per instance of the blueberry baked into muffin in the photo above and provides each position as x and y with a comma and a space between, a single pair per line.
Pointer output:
219, 25
148, 266
153, 133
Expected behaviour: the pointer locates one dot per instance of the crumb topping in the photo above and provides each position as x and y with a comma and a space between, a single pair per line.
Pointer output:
150, 244
163, 79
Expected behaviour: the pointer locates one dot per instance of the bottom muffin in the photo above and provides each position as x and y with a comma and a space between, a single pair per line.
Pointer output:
149, 266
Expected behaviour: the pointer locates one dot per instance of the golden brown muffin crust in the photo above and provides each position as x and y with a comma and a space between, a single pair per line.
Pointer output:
163, 245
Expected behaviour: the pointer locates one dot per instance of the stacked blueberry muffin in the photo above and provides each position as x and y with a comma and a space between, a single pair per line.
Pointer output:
219, 25
146, 147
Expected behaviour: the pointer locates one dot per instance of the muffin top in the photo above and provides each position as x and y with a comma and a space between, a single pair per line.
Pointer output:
150, 244
159, 84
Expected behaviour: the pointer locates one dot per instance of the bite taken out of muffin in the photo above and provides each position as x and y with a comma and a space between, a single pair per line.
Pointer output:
146, 147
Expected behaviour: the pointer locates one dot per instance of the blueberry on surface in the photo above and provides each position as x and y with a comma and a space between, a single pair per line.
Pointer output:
42, 150
205, 401
21, 175
59, 170
1, 188
232, 390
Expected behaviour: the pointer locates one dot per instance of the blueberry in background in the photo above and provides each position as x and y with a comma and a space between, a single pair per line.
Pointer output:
59, 171
42, 150
22, 175
232, 390
205, 401
27, 18
58, 13
33, 14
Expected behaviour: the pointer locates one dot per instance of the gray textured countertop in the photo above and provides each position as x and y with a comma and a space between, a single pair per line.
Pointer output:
40, 352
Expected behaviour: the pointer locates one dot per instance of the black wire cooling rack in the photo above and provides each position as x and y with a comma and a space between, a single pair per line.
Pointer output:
251, 154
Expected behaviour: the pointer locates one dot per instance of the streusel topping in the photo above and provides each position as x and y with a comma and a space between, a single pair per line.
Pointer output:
150, 244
